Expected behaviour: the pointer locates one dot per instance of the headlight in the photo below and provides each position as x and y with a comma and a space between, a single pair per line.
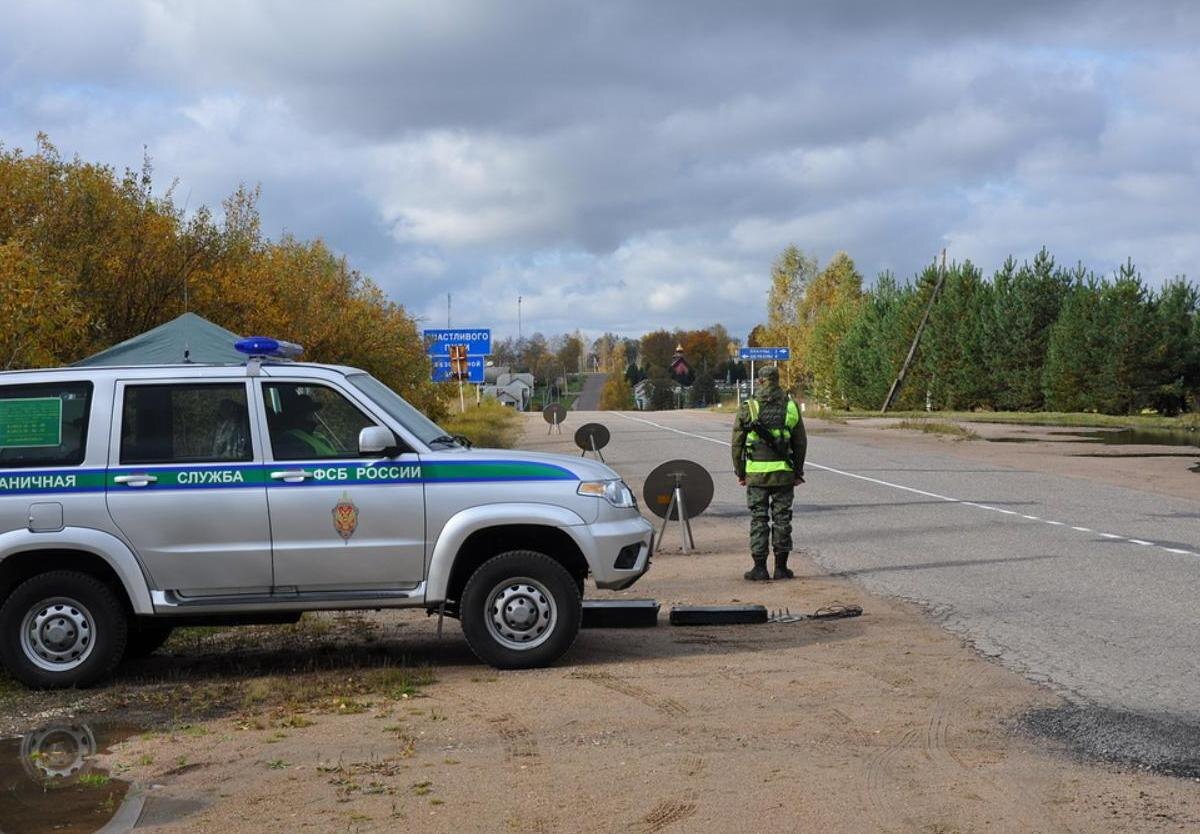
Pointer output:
614, 492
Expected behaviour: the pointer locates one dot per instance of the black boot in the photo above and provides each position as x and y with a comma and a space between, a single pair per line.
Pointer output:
758, 573
781, 569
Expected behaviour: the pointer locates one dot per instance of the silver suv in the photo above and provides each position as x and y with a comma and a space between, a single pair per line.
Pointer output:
137, 499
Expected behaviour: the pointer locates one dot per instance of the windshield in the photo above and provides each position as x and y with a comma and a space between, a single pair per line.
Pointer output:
425, 429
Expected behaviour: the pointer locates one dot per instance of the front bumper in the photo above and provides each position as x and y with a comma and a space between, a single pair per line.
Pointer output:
609, 538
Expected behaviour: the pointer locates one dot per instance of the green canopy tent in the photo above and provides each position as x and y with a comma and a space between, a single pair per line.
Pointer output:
189, 338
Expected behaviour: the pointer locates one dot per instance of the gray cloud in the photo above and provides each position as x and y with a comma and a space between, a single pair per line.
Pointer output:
628, 165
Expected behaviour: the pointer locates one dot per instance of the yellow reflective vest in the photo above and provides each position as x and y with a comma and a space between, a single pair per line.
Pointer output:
783, 435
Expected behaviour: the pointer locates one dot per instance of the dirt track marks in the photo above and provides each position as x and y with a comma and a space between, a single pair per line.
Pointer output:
666, 813
667, 706
519, 740
930, 747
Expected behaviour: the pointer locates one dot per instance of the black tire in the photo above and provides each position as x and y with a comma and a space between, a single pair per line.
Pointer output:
86, 607
145, 639
532, 584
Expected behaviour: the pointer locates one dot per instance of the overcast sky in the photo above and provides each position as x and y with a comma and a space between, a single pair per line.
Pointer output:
632, 165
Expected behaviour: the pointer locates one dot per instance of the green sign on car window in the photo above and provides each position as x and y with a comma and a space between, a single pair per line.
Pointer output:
35, 421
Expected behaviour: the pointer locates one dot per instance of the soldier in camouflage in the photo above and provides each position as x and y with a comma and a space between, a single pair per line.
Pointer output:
769, 444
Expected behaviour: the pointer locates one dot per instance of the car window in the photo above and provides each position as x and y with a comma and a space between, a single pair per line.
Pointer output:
395, 405
185, 423
312, 422
44, 424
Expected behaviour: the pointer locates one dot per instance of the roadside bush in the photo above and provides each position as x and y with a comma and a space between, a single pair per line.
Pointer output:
488, 425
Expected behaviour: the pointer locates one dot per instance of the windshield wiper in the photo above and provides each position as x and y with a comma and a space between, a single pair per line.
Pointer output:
456, 440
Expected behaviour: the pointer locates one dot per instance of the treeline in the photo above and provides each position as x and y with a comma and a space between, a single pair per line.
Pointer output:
545, 357
1034, 336
89, 257
709, 353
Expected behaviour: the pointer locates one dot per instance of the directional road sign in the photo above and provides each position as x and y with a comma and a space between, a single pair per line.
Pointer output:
444, 372
477, 339
776, 354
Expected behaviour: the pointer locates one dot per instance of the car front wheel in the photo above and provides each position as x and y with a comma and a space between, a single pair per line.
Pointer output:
520, 610
62, 629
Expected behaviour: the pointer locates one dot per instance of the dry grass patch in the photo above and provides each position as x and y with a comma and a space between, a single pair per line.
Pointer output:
488, 425
936, 427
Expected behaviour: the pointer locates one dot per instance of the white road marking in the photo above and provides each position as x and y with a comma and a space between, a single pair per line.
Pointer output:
916, 491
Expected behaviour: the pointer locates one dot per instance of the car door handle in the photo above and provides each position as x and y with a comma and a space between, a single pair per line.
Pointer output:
135, 480
291, 476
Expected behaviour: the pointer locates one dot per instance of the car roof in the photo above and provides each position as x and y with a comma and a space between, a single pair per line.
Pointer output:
191, 369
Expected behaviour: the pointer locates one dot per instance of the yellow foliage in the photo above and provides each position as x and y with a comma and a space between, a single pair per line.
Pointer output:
616, 395
37, 313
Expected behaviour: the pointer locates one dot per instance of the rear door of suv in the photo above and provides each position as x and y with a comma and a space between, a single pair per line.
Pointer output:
186, 485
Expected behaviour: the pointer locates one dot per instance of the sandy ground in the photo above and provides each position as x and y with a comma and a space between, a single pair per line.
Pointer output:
880, 723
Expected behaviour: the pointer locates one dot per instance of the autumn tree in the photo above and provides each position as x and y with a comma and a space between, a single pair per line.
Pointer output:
40, 319
657, 350
89, 257
791, 274
829, 307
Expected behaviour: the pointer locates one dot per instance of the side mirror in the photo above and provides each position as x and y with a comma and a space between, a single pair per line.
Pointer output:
377, 440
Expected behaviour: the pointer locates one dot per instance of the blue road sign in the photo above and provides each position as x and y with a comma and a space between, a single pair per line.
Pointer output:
477, 339
771, 354
442, 371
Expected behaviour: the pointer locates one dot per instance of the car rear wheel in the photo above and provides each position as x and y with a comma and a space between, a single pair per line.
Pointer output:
62, 629
520, 610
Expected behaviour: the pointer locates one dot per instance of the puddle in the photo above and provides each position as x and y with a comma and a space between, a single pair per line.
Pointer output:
1108, 437
48, 782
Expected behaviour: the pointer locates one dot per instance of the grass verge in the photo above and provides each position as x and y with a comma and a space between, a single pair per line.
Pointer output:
1186, 422
489, 425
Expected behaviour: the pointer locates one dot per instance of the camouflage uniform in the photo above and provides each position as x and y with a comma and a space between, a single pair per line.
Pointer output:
770, 480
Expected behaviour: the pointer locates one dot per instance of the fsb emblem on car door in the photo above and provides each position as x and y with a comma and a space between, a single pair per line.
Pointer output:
345, 517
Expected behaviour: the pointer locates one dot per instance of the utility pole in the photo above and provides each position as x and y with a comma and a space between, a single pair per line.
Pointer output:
895, 389
518, 318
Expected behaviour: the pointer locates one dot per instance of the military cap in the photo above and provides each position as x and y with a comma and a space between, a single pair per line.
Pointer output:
769, 373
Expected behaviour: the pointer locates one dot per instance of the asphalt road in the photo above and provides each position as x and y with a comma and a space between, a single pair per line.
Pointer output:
1090, 589
589, 397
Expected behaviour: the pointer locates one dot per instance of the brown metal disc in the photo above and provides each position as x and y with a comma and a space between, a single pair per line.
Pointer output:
694, 482
590, 433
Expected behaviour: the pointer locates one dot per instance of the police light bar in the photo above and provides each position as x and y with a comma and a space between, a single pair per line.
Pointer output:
264, 346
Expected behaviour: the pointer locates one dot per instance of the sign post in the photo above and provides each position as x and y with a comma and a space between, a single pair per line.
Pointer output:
459, 354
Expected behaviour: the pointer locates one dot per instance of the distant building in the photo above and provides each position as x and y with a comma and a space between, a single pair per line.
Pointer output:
642, 393
680, 369
515, 393
508, 378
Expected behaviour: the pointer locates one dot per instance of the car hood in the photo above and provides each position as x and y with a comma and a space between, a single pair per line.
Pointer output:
582, 468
